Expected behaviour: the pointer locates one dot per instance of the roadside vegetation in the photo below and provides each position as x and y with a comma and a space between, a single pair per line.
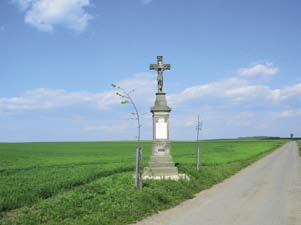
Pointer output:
92, 183
299, 145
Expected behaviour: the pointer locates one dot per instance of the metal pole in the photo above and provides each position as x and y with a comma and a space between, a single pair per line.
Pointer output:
140, 167
137, 169
198, 158
198, 144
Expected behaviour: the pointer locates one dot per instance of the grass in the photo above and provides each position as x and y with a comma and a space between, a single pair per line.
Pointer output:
299, 145
92, 183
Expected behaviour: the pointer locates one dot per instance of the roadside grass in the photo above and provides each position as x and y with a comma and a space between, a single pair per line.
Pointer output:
85, 189
299, 145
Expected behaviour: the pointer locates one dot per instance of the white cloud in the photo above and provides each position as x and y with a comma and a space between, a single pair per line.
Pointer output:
44, 98
265, 71
235, 91
222, 93
45, 14
289, 113
216, 89
143, 84
286, 93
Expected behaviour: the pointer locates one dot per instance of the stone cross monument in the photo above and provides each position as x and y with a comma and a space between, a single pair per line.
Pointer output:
161, 165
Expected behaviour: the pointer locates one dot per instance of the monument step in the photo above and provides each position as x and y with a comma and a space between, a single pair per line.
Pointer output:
161, 171
161, 158
161, 161
161, 164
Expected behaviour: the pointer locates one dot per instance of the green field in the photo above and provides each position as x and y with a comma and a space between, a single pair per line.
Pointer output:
92, 182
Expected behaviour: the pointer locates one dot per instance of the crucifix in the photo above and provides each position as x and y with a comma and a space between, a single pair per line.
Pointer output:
160, 67
161, 164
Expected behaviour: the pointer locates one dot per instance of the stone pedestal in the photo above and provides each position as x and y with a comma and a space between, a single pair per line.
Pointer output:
161, 165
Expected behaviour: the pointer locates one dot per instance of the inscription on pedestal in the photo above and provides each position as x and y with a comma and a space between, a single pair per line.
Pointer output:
161, 129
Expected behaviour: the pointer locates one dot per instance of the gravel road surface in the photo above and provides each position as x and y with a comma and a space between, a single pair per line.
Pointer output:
266, 193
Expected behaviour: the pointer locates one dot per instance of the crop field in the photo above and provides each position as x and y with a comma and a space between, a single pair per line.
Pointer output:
92, 182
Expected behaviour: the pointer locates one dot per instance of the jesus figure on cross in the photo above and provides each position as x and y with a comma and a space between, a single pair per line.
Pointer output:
160, 67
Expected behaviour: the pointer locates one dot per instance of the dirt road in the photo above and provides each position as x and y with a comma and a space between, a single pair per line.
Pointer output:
266, 193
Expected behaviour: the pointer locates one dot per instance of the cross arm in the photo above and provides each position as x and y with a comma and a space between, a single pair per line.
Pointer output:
153, 67
166, 66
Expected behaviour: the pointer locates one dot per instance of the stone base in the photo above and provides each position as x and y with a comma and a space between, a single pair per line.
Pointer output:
160, 171
161, 165
170, 177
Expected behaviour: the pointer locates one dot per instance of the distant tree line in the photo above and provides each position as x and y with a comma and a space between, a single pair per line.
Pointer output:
268, 137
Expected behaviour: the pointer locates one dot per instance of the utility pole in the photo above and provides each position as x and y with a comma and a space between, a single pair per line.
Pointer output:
198, 128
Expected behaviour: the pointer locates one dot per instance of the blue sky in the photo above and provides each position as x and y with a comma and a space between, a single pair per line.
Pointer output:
236, 63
